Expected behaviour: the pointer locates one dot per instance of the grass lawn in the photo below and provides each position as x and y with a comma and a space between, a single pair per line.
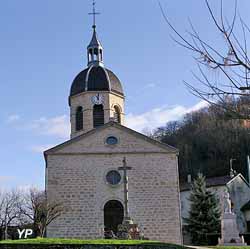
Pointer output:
88, 242
76, 241
231, 247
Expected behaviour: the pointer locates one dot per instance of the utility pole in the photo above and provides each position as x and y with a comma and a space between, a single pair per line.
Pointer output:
232, 171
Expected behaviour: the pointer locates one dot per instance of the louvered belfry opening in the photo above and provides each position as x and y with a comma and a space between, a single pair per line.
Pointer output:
98, 115
79, 118
117, 115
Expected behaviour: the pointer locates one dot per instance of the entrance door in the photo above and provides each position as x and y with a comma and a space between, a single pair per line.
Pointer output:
113, 215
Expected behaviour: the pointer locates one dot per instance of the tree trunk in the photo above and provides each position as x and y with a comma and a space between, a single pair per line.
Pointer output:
6, 232
43, 232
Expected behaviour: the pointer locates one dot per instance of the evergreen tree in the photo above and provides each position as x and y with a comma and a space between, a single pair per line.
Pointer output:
204, 214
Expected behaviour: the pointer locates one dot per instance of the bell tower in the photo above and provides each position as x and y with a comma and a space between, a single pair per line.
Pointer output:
96, 94
95, 49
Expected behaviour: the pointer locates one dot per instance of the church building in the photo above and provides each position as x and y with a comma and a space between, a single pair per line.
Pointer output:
83, 173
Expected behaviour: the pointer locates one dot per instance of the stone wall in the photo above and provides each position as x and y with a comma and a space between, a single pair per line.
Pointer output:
76, 178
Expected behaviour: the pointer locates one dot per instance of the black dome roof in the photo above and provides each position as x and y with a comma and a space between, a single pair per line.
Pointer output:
96, 78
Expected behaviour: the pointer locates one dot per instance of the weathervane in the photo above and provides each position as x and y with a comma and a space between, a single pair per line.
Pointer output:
94, 13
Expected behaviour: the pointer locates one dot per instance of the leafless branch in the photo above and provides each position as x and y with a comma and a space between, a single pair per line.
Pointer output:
234, 65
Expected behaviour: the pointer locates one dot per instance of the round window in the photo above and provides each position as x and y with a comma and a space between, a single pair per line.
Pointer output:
112, 140
113, 177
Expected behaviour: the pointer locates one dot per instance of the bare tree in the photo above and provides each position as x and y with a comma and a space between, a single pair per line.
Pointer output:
9, 210
231, 91
39, 211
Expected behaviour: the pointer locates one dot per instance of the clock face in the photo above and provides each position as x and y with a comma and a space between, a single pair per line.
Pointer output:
97, 99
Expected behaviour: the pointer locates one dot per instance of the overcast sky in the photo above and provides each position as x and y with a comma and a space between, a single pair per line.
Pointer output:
43, 47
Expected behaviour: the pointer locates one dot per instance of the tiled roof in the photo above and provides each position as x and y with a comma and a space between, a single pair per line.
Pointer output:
210, 182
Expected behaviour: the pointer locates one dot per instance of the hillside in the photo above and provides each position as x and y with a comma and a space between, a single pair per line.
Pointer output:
207, 140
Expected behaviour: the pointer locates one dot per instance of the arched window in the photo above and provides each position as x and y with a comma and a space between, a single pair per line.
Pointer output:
79, 118
98, 115
90, 55
117, 115
96, 54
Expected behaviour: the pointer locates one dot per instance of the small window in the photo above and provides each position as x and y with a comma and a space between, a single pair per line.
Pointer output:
113, 177
112, 140
79, 118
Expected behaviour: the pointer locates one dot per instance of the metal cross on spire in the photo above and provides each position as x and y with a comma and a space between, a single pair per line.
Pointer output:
94, 13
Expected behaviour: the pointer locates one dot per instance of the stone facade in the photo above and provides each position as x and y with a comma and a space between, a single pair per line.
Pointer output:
75, 177
239, 191
76, 171
84, 100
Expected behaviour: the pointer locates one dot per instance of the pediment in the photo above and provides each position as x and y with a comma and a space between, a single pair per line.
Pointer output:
94, 142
